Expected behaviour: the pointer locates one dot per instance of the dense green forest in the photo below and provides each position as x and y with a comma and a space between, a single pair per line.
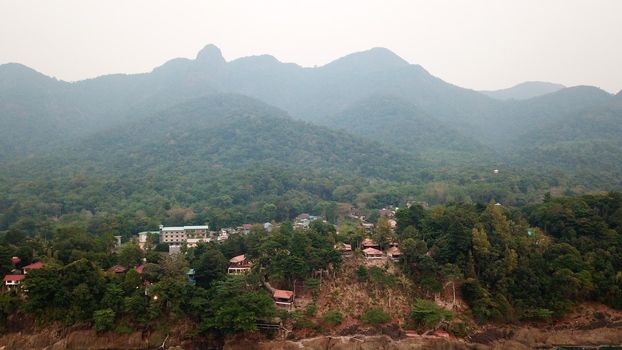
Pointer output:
227, 160
534, 262
510, 264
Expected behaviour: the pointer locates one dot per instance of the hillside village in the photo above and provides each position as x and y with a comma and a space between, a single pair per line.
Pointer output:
402, 272
179, 239
299, 297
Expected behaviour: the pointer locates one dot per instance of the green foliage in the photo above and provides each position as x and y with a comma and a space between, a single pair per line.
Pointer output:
332, 318
524, 263
212, 266
381, 278
130, 255
304, 323
430, 315
375, 316
236, 307
534, 262
9, 303
310, 310
103, 319
312, 283
113, 298
362, 274
537, 314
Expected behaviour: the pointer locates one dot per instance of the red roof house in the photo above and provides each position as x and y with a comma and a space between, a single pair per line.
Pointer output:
13, 280
283, 297
118, 269
34, 266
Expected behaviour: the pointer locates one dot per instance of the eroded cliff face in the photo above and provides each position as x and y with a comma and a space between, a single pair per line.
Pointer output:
498, 339
511, 338
589, 325
80, 339
351, 343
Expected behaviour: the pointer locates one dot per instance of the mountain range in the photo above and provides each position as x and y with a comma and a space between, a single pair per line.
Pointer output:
526, 90
369, 116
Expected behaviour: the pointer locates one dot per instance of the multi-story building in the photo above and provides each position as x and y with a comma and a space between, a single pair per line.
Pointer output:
182, 234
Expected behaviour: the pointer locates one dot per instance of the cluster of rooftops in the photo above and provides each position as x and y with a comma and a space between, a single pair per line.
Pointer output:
15, 279
192, 235
240, 265
371, 250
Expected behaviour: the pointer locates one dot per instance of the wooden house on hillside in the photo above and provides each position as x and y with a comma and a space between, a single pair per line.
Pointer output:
372, 253
283, 297
239, 265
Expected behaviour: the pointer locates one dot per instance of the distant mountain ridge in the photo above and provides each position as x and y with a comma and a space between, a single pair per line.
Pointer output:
523, 91
401, 125
374, 94
235, 131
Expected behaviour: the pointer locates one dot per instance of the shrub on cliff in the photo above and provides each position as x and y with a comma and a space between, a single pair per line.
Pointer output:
428, 314
375, 316
332, 318
104, 319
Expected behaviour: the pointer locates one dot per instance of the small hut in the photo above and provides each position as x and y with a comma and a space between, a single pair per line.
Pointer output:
394, 253
369, 243
372, 253
283, 297
344, 249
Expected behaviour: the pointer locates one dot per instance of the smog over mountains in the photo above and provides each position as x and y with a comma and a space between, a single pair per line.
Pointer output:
349, 174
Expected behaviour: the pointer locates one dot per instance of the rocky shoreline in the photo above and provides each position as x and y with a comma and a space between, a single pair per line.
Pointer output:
492, 338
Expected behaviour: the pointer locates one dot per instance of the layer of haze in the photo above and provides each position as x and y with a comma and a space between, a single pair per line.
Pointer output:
477, 44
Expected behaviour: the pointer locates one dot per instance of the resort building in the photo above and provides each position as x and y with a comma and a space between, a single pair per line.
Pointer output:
181, 234
239, 265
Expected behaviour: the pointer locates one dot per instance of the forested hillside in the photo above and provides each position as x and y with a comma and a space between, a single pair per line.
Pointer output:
374, 94
229, 158
125, 152
401, 125
526, 264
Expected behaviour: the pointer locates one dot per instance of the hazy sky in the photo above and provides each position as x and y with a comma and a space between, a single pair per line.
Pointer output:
476, 44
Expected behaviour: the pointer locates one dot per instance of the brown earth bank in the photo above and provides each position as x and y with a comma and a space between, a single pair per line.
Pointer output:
589, 325
491, 338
